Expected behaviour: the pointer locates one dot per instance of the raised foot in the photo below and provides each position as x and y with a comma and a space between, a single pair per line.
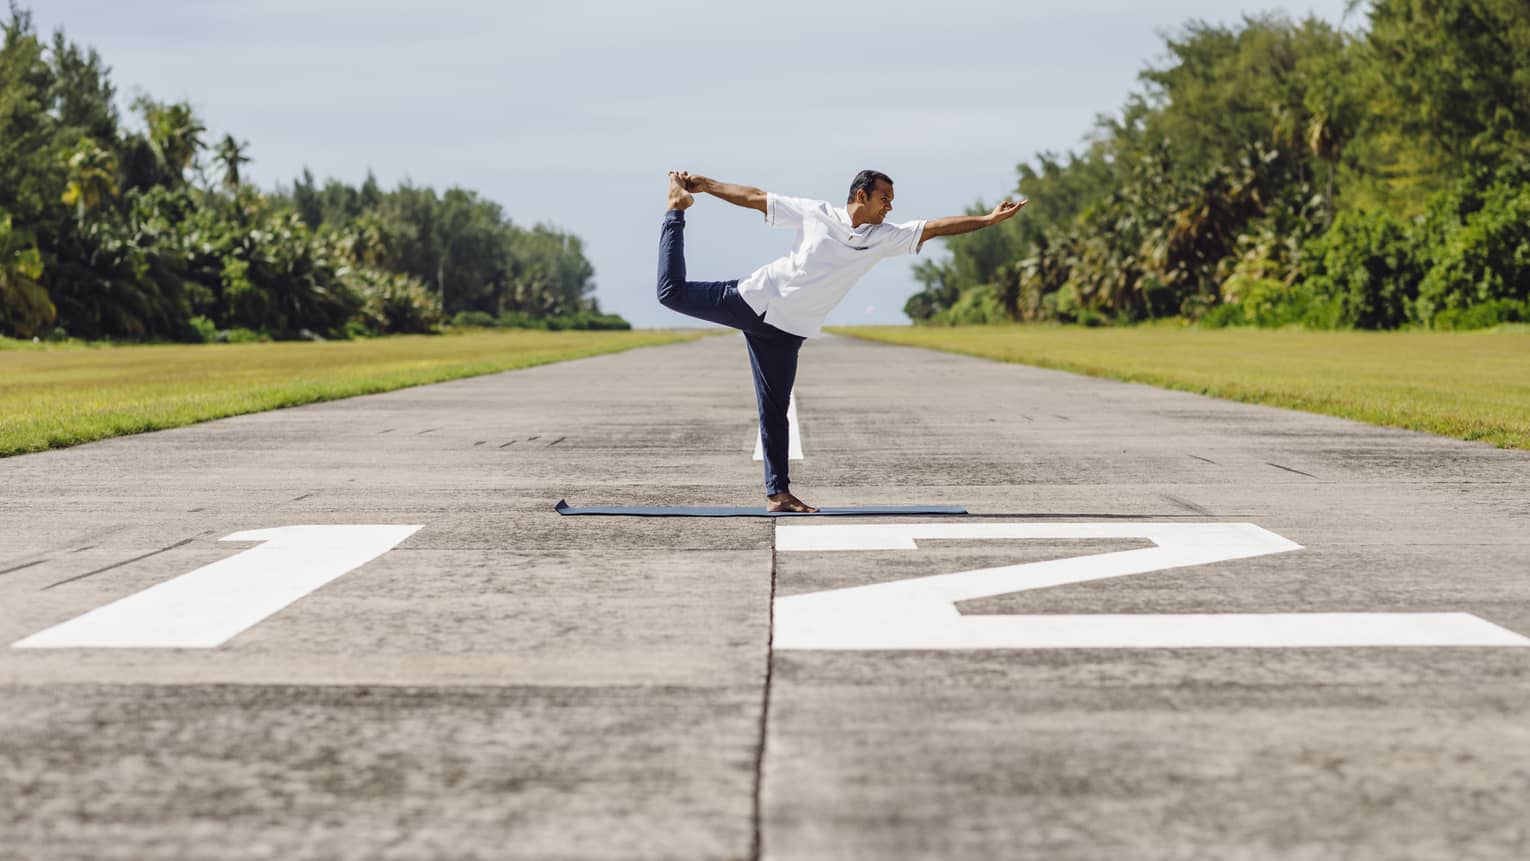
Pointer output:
786, 502
679, 198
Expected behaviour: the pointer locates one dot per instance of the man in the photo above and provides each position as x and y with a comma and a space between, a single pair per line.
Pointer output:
785, 301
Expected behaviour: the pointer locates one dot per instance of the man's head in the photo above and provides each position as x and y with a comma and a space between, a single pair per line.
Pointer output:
871, 197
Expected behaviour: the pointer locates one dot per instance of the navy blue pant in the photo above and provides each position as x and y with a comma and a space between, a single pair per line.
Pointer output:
772, 352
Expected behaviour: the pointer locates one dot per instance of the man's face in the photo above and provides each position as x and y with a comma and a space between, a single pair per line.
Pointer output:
879, 201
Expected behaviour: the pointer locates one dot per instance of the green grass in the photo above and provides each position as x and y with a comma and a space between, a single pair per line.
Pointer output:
1467, 385
53, 396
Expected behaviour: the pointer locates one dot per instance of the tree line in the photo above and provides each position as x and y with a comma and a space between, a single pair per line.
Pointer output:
1277, 172
153, 233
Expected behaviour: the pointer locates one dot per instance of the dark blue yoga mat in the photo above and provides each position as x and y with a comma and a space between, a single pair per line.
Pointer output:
726, 511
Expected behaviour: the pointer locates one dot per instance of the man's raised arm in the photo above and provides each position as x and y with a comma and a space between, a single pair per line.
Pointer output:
967, 223
738, 195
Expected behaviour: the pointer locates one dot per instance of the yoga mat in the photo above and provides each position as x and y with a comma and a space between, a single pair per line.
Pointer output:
726, 511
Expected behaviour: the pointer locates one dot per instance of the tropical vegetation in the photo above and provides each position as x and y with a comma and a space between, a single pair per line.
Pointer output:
1277, 172
151, 231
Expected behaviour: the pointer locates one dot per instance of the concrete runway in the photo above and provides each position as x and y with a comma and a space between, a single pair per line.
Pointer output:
509, 683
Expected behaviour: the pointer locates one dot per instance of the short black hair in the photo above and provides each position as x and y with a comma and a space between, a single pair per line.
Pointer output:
866, 181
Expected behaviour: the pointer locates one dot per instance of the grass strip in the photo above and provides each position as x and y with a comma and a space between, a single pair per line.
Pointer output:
1467, 385
52, 396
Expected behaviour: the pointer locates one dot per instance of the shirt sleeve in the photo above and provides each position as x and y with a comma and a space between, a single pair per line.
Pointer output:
783, 211
902, 238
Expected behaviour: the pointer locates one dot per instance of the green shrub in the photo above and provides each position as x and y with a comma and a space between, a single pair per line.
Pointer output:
1065, 304
975, 306
1364, 271
1272, 304
1483, 261
239, 335
480, 319
201, 330
1223, 316
393, 303
587, 320
1483, 315
520, 320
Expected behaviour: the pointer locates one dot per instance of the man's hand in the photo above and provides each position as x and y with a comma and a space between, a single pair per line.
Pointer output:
694, 182
959, 224
1006, 210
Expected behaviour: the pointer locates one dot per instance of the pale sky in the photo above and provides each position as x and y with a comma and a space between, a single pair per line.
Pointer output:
571, 112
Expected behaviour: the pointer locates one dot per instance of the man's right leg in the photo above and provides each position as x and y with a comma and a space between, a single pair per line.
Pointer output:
713, 301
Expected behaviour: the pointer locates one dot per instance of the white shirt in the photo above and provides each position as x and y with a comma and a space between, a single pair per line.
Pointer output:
796, 292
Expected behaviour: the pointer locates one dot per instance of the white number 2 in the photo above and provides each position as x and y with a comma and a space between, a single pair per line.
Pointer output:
920, 613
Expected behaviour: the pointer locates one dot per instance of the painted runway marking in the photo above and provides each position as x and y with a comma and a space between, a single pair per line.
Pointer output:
211, 605
920, 613
793, 437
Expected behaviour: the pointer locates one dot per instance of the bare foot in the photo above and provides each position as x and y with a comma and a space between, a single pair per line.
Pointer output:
679, 198
786, 502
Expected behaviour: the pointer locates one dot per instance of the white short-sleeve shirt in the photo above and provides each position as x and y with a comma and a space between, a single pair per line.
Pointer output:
796, 292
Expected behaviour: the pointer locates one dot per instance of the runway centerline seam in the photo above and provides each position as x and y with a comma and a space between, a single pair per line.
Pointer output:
757, 848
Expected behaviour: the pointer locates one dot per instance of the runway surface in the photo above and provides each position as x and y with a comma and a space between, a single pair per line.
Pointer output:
1171, 627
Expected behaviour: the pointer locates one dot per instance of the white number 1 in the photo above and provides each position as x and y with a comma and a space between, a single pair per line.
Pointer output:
920, 613
209, 606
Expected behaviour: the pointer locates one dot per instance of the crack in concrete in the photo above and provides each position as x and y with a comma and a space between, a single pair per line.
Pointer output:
23, 565
1186, 503
181, 543
1289, 469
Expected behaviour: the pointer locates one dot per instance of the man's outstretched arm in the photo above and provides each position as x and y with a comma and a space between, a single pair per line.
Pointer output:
739, 195
958, 224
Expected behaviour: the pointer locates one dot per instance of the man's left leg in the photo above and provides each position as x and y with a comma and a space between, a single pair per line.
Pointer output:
773, 357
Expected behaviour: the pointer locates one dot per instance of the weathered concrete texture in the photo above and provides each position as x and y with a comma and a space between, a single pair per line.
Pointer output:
1153, 753
508, 683
1159, 767
278, 772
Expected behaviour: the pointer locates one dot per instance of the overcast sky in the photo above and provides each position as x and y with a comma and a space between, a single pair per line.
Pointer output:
571, 112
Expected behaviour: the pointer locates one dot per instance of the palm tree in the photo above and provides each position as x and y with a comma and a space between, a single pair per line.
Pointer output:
231, 154
175, 135
92, 176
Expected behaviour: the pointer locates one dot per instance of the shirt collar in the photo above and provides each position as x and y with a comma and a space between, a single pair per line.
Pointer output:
857, 234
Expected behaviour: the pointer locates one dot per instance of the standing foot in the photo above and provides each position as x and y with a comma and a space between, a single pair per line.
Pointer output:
786, 502
679, 198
